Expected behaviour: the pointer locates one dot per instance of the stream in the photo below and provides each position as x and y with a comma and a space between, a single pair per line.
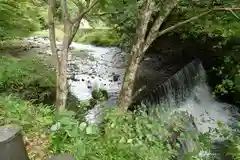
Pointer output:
103, 67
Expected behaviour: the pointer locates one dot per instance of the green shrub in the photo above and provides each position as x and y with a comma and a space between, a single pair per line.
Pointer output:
116, 142
227, 74
43, 18
18, 18
123, 137
131, 137
29, 78
31, 118
99, 38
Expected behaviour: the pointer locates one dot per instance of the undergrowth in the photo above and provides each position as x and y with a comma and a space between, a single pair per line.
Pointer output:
34, 121
119, 137
28, 78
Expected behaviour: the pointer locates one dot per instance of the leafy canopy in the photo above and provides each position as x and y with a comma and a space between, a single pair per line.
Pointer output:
123, 16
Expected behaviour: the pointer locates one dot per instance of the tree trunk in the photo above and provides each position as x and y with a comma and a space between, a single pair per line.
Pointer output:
125, 97
69, 33
74, 31
51, 23
71, 27
52, 38
143, 40
63, 63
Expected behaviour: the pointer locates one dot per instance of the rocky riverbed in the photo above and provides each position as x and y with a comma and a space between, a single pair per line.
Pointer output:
89, 67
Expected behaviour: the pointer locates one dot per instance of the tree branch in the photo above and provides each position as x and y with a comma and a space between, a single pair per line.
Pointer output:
82, 14
152, 35
194, 18
65, 11
234, 14
107, 13
182, 23
144, 17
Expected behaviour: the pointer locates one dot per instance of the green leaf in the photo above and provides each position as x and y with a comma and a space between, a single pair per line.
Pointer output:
73, 133
65, 120
82, 126
91, 130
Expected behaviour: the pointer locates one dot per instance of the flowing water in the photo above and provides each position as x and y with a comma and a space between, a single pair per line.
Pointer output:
186, 90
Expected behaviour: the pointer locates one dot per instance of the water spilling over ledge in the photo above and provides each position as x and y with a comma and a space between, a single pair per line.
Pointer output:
176, 88
187, 90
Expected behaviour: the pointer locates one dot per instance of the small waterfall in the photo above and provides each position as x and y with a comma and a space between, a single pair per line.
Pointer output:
187, 90
176, 88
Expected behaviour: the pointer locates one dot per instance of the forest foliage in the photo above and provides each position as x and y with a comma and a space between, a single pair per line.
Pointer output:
18, 19
216, 23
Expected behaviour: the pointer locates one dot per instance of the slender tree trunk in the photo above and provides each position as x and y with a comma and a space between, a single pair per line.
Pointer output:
51, 23
125, 97
74, 31
143, 41
52, 38
62, 77
71, 27
126, 94
69, 33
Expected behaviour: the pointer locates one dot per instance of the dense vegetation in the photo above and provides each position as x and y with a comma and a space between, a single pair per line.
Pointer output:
35, 83
27, 87
30, 15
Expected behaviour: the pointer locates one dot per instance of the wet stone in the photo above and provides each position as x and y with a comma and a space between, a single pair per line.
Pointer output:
116, 77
